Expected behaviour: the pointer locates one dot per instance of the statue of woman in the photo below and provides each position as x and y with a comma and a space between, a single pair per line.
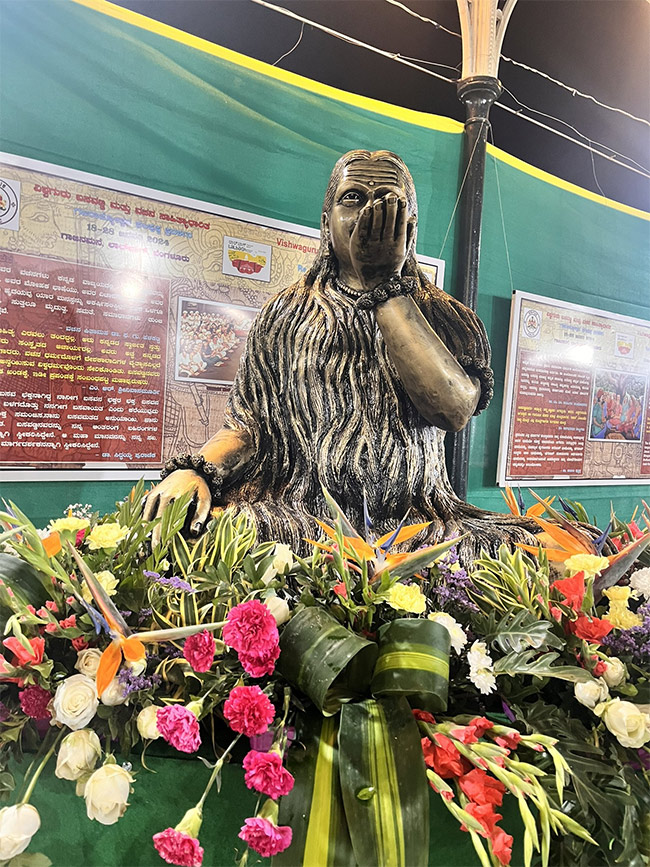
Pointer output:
350, 379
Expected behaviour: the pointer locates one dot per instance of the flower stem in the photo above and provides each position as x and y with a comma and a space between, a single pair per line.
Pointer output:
48, 755
214, 774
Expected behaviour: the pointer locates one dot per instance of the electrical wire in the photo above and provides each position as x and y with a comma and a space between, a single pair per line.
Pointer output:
572, 90
399, 59
291, 50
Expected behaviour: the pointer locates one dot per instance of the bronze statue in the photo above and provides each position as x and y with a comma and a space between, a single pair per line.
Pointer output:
349, 380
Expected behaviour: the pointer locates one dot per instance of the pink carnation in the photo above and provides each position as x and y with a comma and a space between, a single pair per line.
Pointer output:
248, 710
251, 629
265, 774
34, 701
199, 649
79, 643
179, 727
265, 837
258, 666
175, 847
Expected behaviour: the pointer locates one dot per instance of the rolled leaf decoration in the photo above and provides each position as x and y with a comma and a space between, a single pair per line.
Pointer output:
314, 807
384, 784
325, 660
413, 662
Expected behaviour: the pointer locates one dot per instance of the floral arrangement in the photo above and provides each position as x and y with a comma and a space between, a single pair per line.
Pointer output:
525, 679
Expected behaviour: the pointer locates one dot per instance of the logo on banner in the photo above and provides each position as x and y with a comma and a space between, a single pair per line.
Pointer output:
532, 322
624, 345
9, 204
243, 258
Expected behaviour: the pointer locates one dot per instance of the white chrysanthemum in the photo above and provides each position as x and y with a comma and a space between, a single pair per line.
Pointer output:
481, 671
484, 681
456, 634
640, 582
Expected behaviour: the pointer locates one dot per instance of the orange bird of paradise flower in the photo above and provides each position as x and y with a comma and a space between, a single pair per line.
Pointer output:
125, 644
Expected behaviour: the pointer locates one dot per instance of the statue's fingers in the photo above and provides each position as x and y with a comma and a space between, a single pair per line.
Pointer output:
401, 233
150, 506
364, 224
155, 536
410, 228
378, 216
201, 514
390, 216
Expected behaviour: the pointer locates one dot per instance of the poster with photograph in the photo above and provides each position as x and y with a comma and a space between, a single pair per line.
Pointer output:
577, 402
210, 340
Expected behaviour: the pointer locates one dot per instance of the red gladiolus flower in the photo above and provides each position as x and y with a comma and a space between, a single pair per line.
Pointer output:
265, 837
502, 846
425, 716
482, 788
443, 757
340, 589
23, 656
599, 668
509, 741
483, 813
573, 589
79, 643
591, 629
481, 724
465, 734
68, 622
175, 847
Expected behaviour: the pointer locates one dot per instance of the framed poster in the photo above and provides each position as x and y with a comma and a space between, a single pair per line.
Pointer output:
124, 312
576, 407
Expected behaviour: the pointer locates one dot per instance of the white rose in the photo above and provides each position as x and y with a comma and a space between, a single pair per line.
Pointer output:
88, 661
278, 608
113, 694
147, 722
629, 725
106, 793
282, 561
615, 673
137, 666
457, 636
75, 702
591, 692
18, 824
78, 754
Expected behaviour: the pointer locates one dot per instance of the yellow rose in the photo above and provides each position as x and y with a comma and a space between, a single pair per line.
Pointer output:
108, 581
590, 564
70, 524
406, 597
106, 536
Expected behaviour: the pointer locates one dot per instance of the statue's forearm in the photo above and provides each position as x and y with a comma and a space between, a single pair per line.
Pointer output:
438, 386
230, 450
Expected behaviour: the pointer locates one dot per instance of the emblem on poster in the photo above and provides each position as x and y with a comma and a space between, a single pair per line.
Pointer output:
242, 258
532, 323
9, 204
624, 345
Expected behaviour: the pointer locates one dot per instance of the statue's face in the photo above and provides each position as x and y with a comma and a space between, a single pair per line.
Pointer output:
363, 182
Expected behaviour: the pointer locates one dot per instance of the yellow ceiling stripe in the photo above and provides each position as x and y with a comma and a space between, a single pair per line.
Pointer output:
406, 115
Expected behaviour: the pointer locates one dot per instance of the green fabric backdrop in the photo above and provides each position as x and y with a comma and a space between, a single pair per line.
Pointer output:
85, 90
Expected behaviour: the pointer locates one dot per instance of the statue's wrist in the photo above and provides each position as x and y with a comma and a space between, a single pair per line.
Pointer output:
394, 287
207, 470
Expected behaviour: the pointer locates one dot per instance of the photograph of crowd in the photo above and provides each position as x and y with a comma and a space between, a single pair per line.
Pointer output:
617, 406
210, 339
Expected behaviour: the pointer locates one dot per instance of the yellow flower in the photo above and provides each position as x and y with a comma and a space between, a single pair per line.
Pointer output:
71, 524
406, 597
108, 581
106, 536
590, 564
619, 615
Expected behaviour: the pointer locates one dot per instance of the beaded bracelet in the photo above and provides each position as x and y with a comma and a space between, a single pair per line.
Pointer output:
206, 469
390, 289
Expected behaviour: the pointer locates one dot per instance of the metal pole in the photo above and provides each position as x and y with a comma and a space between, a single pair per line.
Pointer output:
477, 93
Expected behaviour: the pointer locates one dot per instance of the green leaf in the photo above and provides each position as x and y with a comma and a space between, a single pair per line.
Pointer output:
526, 662
30, 859
314, 807
325, 660
518, 629
23, 579
379, 747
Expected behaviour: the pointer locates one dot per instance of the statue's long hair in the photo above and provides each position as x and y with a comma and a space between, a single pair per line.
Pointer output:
325, 265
